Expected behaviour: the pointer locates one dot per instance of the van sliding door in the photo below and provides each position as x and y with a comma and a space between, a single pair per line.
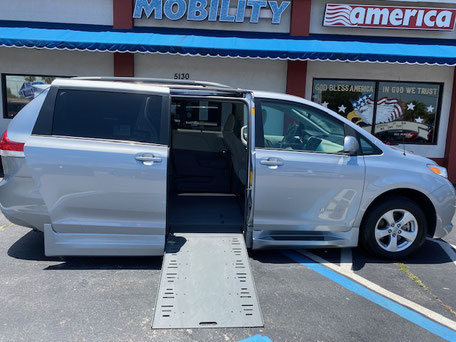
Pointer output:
101, 167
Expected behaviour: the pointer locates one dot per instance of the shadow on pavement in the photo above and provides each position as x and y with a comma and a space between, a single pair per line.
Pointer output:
430, 254
31, 247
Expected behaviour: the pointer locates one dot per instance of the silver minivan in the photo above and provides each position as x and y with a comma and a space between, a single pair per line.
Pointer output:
113, 166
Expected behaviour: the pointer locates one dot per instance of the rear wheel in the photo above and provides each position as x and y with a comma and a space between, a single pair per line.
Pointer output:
394, 228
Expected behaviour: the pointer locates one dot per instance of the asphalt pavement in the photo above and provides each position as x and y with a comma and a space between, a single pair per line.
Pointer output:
112, 299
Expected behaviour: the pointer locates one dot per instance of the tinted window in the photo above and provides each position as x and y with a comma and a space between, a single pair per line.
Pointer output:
292, 126
107, 115
367, 147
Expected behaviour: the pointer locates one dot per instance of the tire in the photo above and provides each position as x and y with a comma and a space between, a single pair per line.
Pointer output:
383, 233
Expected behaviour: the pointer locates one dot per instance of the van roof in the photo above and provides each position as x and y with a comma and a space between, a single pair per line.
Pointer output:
176, 86
156, 81
180, 87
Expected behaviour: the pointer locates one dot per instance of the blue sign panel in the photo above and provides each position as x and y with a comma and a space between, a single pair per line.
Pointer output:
27, 89
210, 10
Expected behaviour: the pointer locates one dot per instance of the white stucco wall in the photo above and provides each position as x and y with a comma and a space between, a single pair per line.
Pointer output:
98, 12
51, 63
393, 72
244, 73
318, 10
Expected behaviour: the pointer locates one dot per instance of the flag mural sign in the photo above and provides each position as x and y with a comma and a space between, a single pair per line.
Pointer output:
419, 105
394, 111
387, 109
349, 98
389, 17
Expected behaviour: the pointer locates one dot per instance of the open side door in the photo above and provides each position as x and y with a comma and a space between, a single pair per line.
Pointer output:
250, 189
100, 159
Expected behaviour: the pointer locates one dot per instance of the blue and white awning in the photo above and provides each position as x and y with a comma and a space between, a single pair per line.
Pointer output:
312, 48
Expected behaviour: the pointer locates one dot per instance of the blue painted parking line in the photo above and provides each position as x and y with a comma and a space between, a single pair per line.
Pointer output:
404, 312
257, 338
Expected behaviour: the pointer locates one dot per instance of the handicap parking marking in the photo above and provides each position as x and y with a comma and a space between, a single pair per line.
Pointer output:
5, 226
413, 312
257, 338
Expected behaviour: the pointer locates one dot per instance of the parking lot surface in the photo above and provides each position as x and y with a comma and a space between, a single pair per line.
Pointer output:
310, 297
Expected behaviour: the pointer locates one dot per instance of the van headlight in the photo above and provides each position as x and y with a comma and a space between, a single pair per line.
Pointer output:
439, 170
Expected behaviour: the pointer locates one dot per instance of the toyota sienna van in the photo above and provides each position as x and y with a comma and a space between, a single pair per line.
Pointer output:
113, 166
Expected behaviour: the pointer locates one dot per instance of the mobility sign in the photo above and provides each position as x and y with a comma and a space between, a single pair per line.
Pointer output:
210, 10
389, 17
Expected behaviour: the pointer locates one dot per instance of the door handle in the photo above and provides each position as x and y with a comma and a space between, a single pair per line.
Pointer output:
243, 134
148, 159
271, 162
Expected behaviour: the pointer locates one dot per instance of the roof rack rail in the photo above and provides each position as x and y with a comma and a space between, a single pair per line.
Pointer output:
155, 80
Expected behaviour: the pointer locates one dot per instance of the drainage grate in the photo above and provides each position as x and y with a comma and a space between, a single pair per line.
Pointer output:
206, 282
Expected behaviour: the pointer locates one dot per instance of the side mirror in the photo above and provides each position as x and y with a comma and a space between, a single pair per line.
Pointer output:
351, 145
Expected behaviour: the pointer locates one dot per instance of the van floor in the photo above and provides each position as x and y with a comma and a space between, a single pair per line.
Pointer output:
205, 213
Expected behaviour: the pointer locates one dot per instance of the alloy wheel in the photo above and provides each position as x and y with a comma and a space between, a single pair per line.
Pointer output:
396, 230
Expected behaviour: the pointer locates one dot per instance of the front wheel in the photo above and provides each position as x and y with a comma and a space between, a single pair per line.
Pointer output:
394, 228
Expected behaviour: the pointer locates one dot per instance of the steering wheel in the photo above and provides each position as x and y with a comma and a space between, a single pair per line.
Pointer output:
296, 135
268, 143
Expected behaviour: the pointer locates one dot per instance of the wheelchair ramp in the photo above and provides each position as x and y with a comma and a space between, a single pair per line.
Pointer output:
206, 282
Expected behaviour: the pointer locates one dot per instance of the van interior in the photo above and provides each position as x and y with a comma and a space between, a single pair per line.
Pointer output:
207, 169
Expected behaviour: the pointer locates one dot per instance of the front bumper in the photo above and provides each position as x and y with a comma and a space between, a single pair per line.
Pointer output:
444, 201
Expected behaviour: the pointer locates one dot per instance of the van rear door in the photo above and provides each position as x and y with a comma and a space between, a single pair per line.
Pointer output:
99, 157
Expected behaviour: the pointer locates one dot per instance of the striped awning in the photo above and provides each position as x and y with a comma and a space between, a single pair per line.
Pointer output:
312, 48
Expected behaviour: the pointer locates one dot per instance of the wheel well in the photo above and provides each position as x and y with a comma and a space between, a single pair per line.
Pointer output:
418, 197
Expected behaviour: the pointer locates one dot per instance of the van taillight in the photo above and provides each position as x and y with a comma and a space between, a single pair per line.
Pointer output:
8, 145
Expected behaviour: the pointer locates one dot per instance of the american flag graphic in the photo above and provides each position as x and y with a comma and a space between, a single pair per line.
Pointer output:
337, 15
387, 109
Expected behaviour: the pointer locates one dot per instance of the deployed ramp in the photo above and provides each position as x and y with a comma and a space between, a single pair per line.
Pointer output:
206, 282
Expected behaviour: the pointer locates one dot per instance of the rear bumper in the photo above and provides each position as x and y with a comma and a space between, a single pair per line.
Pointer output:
20, 200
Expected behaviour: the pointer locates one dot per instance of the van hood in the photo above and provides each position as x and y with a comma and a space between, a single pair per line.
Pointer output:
410, 156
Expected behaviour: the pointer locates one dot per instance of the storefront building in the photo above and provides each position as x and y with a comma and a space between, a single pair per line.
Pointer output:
386, 65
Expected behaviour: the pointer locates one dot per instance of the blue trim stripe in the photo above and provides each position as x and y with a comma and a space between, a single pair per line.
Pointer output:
404, 312
228, 46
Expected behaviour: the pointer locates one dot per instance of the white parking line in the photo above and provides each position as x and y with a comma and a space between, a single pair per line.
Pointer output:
449, 249
382, 291
346, 260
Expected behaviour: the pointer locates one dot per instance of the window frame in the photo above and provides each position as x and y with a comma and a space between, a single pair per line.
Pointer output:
259, 128
376, 90
3, 77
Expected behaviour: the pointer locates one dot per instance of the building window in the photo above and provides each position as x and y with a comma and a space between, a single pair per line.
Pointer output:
202, 115
395, 112
18, 91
